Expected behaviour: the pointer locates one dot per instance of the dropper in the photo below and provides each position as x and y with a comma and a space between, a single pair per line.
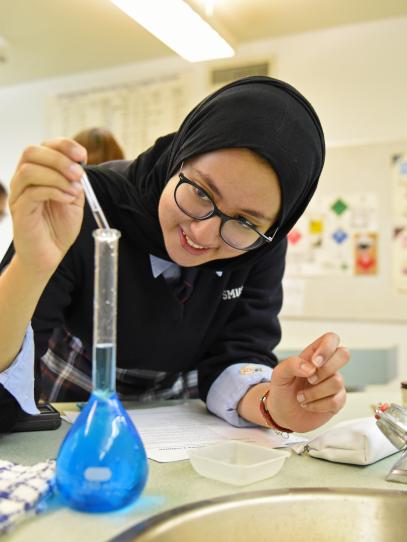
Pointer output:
94, 205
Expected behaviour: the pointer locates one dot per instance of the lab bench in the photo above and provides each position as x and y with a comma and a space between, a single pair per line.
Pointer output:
175, 484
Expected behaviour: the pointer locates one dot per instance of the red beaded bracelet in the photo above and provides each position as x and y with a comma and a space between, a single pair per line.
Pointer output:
267, 416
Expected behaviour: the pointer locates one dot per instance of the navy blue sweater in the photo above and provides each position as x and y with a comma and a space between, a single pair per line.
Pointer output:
227, 319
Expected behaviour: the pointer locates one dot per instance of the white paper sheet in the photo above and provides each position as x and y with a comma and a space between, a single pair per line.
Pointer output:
168, 432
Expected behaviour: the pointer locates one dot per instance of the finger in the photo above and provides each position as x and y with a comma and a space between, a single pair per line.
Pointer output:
33, 174
41, 194
69, 147
321, 349
291, 368
331, 386
332, 404
338, 360
60, 154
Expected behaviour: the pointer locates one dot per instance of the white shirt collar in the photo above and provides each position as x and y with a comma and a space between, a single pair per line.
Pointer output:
159, 266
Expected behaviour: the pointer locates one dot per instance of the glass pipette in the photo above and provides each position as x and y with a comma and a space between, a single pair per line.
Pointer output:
93, 202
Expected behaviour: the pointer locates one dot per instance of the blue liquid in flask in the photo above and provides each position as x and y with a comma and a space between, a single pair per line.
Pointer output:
102, 464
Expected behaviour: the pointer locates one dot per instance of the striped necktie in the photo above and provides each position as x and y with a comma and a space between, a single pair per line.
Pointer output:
185, 286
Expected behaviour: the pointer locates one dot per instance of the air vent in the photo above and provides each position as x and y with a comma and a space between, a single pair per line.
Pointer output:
224, 75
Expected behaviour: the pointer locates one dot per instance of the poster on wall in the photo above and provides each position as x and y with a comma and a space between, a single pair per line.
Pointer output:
337, 235
136, 112
365, 253
400, 224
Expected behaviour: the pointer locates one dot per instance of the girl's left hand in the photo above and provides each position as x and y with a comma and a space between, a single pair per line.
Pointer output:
306, 391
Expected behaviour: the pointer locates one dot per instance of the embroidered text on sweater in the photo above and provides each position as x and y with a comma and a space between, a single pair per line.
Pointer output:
233, 293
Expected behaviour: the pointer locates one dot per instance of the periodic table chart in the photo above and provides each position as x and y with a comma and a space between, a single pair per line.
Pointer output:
136, 113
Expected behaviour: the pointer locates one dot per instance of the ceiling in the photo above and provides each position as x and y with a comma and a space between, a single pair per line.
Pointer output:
49, 38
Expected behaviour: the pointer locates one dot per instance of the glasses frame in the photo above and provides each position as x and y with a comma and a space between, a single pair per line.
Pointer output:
223, 217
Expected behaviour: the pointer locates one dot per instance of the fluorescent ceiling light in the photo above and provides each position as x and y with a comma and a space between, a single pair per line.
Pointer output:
177, 25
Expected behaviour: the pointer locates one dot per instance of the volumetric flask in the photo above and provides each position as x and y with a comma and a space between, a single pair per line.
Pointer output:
102, 464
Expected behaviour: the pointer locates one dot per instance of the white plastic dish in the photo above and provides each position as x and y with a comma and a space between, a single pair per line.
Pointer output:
236, 462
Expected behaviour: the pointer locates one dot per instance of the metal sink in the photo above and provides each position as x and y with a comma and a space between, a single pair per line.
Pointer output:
292, 515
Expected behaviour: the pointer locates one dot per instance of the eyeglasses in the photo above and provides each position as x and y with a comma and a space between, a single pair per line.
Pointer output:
195, 202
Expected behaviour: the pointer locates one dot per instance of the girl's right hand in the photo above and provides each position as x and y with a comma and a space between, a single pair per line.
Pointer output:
46, 203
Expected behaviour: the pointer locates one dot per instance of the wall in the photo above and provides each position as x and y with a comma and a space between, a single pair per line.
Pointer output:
354, 75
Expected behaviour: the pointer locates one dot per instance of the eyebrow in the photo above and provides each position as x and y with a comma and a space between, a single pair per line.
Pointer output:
212, 185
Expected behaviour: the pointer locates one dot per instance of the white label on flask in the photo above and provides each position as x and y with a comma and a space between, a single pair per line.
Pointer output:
98, 474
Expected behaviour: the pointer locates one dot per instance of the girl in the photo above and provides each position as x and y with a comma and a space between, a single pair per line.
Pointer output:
204, 215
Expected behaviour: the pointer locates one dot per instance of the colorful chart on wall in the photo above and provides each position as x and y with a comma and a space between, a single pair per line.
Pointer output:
337, 235
347, 255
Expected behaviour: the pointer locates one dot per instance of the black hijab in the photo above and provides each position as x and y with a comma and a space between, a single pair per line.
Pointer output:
263, 114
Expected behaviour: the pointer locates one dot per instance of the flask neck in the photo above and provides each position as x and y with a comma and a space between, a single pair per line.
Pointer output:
104, 368
105, 311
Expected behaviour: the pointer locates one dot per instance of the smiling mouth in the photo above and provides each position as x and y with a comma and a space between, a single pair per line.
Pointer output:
191, 243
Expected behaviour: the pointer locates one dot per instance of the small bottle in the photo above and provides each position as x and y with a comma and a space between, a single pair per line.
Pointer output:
404, 393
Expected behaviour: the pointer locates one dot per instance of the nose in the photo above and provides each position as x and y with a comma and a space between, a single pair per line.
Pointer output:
206, 232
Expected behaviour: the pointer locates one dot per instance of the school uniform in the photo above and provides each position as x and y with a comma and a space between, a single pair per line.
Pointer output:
231, 317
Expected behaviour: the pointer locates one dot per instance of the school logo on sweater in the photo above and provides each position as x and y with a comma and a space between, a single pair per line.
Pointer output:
232, 294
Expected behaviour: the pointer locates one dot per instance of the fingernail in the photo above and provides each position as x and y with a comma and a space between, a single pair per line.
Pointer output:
76, 169
312, 379
300, 397
318, 360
